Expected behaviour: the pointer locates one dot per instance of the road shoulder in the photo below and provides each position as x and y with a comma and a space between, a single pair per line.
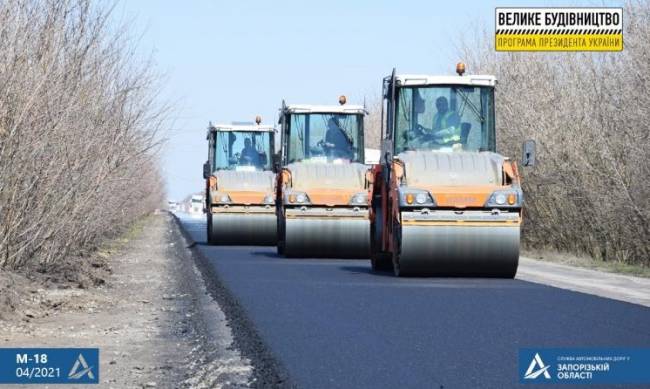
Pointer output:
153, 320
621, 287
267, 372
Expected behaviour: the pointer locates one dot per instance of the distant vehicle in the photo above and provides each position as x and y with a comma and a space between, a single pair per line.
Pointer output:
196, 204
172, 206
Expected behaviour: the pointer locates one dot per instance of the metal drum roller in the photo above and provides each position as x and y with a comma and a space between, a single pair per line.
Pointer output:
480, 251
244, 229
324, 238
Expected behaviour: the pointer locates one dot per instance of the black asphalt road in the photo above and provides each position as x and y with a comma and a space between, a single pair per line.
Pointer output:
335, 323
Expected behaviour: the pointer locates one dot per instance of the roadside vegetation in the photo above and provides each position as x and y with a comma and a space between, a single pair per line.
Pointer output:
78, 131
589, 193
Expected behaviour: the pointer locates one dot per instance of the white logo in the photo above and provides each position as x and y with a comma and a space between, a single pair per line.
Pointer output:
541, 369
76, 373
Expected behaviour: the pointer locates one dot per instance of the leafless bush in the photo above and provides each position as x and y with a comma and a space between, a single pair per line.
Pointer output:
78, 126
590, 116
372, 123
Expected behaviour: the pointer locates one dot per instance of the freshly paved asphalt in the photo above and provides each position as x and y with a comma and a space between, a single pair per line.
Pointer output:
336, 323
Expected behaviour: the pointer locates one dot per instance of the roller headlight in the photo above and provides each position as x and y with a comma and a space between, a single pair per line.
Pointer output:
415, 198
421, 198
269, 199
296, 198
512, 198
359, 199
220, 198
500, 199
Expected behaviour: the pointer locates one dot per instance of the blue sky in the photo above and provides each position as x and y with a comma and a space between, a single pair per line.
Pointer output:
229, 61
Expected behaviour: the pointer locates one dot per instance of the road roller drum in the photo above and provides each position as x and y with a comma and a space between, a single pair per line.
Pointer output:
243, 229
327, 238
458, 251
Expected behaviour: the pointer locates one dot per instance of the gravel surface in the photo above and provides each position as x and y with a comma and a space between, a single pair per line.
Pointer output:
267, 371
152, 318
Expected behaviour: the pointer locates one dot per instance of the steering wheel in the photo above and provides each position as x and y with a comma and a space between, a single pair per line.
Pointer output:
234, 160
317, 149
422, 134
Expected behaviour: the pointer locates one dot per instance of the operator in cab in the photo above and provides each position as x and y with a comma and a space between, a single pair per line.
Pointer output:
249, 156
337, 144
445, 128
446, 123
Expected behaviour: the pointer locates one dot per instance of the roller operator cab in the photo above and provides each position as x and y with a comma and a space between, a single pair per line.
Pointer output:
444, 202
322, 198
240, 184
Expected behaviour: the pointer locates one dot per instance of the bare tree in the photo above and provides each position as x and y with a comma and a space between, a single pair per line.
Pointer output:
372, 124
78, 130
590, 114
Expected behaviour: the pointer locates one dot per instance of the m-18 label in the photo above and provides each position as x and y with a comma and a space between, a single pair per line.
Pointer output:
49, 365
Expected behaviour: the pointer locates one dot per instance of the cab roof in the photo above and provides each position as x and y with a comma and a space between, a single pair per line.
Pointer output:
421, 79
241, 127
340, 109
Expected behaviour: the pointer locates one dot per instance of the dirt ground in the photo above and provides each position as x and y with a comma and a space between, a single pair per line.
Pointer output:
144, 306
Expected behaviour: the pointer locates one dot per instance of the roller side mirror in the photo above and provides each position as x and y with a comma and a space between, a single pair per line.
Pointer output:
206, 170
528, 155
275, 159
